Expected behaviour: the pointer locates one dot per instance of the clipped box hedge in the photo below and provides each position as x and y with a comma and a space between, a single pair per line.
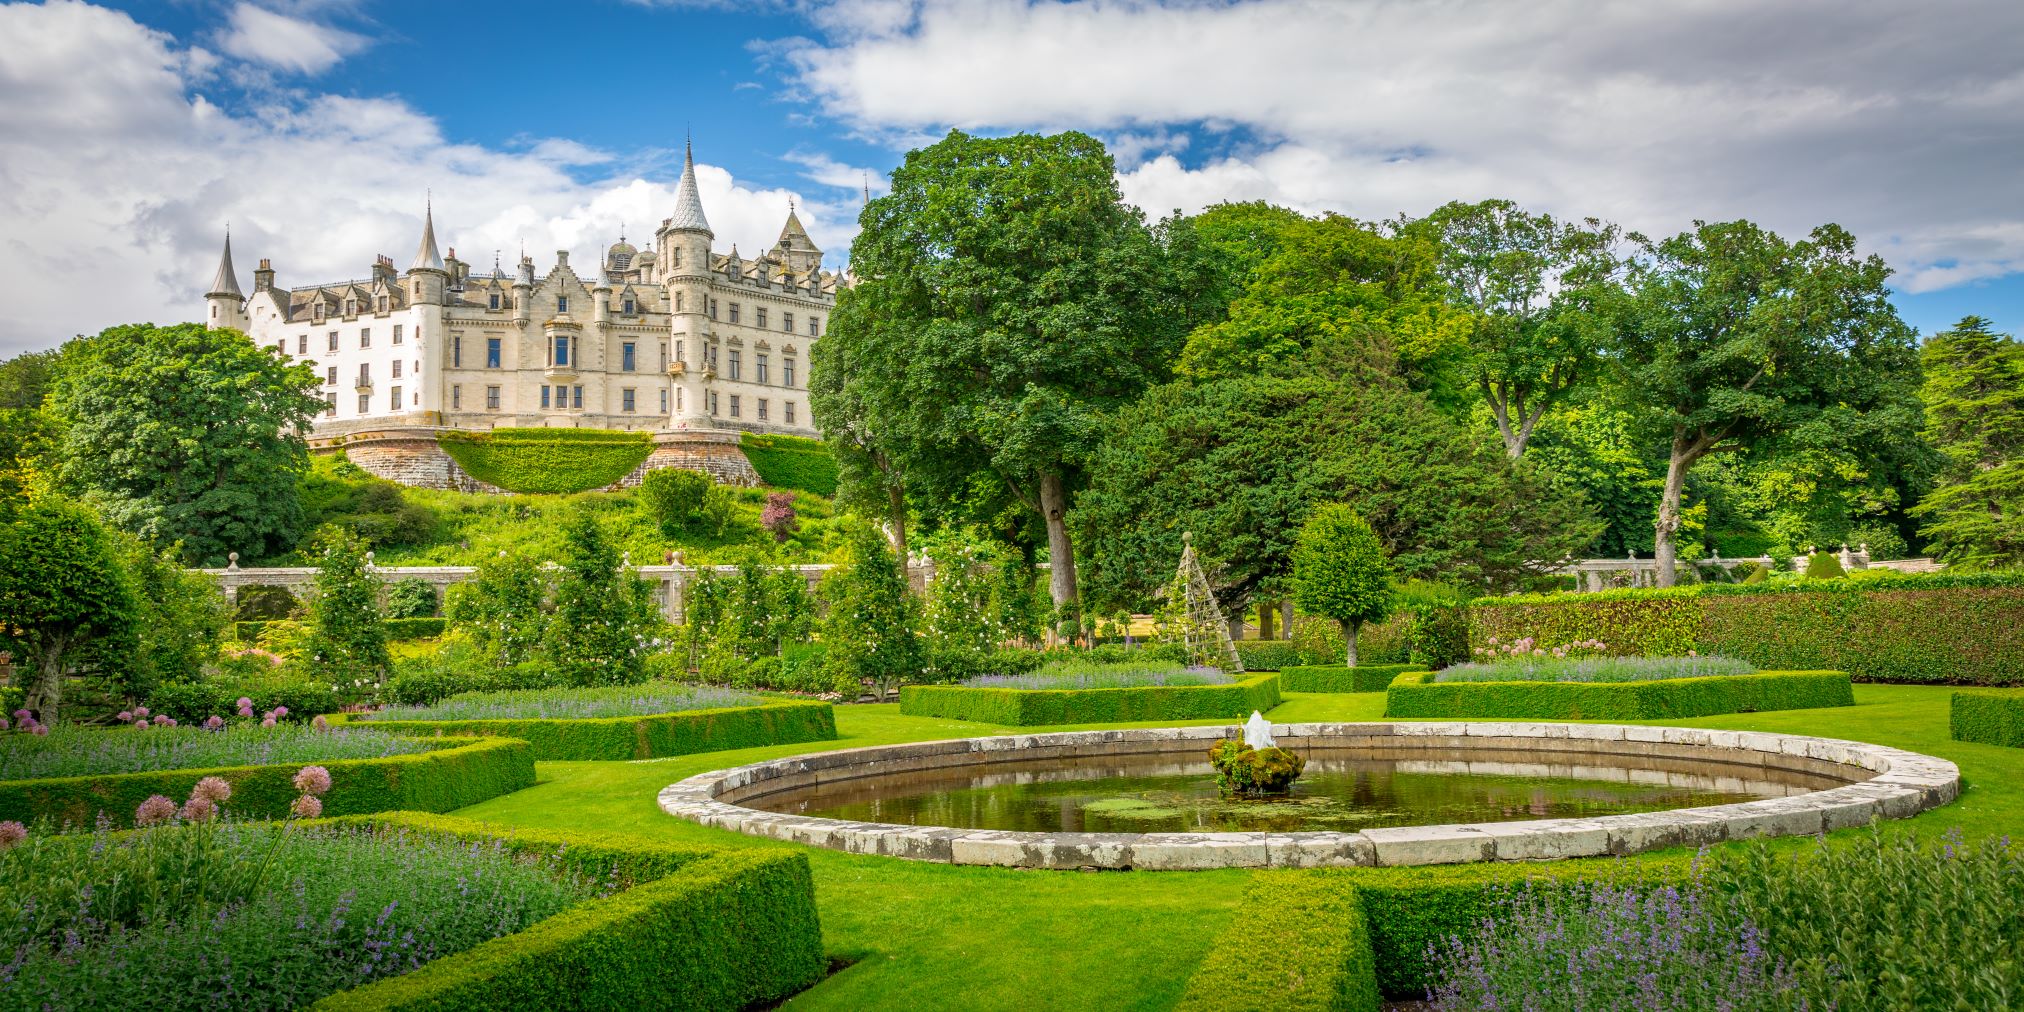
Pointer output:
791, 462
1938, 629
1342, 677
1298, 943
1271, 655
1991, 718
646, 737
1417, 695
455, 773
692, 929
547, 460
1030, 707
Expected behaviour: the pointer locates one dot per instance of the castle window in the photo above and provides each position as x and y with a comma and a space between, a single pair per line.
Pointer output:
734, 370
315, 312
330, 404
330, 377
787, 322
787, 372
561, 356
456, 353
713, 309
664, 402
734, 405
365, 404
456, 397
495, 300
760, 363
491, 353
281, 346
397, 333
492, 398
762, 409
815, 326
333, 340
214, 312
394, 401
365, 374
382, 303
562, 303
625, 400
351, 307
397, 368
626, 357
302, 345
544, 395
579, 399
713, 402
789, 405
678, 398
365, 337
760, 316
734, 312
664, 356
628, 308
678, 302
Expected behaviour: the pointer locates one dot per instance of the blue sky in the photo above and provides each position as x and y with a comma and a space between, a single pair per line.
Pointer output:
133, 131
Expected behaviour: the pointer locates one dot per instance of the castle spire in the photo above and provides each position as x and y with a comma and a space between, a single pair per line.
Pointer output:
688, 203
227, 281
426, 257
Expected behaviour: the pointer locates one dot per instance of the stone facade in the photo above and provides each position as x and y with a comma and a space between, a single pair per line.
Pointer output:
674, 337
1880, 782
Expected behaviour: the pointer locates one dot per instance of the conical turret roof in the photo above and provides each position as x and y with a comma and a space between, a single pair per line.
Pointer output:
688, 203
426, 257
227, 281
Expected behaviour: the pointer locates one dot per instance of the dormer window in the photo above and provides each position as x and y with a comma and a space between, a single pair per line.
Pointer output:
351, 307
316, 312
495, 300
627, 308
382, 303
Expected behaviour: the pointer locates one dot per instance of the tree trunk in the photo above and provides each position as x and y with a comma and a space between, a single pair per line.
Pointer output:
1265, 620
896, 495
47, 696
1665, 553
1060, 553
1350, 630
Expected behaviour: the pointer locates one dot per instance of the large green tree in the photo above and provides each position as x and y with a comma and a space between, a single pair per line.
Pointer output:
1007, 298
1974, 400
64, 597
187, 435
1239, 462
1539, 294
25, 428
1340, 572
1735, 337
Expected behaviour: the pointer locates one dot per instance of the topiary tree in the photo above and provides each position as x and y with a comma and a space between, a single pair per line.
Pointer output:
1824, 566
1340, 571
348, 637
604, 615
63, 595
681, 501
503, 608
868, 635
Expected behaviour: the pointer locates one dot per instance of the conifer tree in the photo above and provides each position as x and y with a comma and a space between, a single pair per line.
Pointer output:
1974, 397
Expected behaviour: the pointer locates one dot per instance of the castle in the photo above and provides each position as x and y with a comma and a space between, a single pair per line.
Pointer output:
672, 339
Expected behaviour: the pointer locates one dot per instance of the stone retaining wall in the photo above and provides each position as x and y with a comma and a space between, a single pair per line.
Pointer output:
412, 456
1882, 782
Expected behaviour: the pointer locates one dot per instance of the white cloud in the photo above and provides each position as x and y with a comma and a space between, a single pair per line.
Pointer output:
286, 43
1903, 123
116, 184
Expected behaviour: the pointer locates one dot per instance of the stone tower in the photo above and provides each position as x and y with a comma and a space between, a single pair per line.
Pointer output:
226, 305
684, 261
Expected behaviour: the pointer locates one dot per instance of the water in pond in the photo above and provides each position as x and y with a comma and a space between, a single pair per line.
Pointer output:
1344, 790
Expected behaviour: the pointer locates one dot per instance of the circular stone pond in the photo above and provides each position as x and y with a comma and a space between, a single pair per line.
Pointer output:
1372, 794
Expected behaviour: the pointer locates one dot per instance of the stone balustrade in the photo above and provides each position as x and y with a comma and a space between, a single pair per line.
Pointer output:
1610, 574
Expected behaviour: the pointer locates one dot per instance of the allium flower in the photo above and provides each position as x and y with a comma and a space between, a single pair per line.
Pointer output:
319, 723
11, 833
247, 712
125, 715
142, 724
244, 703
281, 711
140, 711
306, 807
39, 731
3, 724
199, 810
154, 811
172, 722
163, 719
312, 780
22, 715
213, 789
268, 722
214, 722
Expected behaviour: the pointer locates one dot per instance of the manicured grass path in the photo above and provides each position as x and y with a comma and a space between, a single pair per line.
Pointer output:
931, 936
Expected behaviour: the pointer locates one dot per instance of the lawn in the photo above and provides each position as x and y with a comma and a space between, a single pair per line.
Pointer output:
937, 936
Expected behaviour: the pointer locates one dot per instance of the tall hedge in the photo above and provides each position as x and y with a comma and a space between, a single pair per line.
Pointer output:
1987, 717
1298, 943
1421, 697
693, 929
1965, 629
649, 737
1032, 707
547, 460
791, 462
459, 772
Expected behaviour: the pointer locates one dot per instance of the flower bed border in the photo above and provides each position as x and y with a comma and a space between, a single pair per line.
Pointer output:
1038, 707
1886, 783
1342, 678
1415, 695
455, 772
651, 736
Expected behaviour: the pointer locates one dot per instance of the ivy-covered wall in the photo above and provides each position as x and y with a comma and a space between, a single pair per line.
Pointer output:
547, 460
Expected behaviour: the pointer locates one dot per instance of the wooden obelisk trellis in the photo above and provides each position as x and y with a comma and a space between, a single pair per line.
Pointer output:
1204, 629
